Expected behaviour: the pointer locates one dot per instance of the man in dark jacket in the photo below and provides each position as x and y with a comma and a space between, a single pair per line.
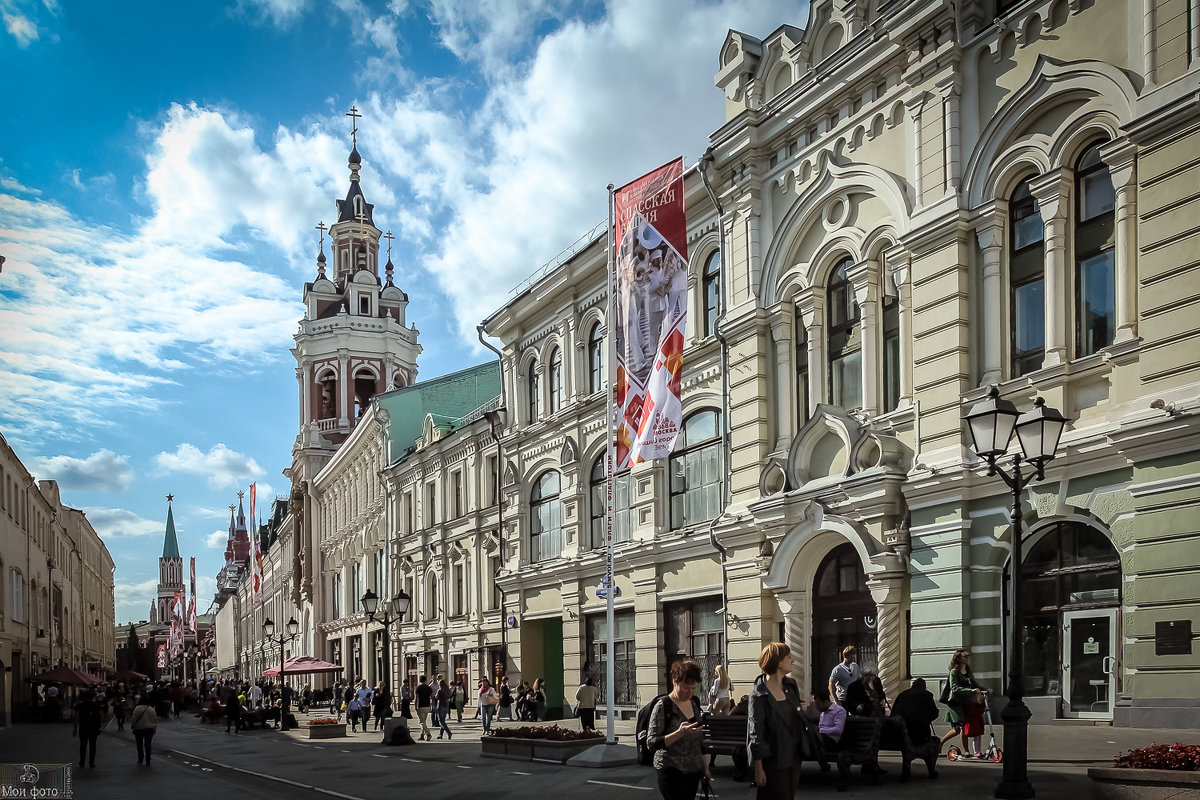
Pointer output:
88, 719
918, 709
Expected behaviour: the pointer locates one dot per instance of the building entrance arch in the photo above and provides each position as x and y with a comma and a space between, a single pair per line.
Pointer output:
843, 613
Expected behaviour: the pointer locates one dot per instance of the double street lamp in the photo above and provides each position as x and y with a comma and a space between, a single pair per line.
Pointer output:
992, 424
293, 628
393, 611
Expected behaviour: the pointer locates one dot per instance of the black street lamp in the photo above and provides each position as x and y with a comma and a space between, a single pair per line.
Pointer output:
992, 423
393, 612
293, 628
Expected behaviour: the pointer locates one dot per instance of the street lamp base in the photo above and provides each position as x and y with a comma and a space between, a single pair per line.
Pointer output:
1015, 785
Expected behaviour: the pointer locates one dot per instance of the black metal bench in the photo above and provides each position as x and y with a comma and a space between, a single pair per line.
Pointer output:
726, 736
859, 745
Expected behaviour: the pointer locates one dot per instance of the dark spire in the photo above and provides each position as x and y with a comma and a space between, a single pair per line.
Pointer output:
170, 542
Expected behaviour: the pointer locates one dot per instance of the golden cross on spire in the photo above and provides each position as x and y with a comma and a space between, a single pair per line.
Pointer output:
355, 116
241, 495
389, 238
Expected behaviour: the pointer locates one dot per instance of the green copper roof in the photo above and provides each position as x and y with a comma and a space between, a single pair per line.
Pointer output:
170, 543
453, 400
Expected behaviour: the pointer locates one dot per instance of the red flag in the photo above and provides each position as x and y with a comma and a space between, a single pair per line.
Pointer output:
192, 601
651, 310
256, 568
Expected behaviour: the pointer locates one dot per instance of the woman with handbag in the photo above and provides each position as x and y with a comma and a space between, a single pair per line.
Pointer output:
489, 700
144, 722
965, 700
776, 733
674, 736
720, 696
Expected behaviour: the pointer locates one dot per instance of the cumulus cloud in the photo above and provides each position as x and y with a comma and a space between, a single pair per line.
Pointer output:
220, 465
103, 470
279, 12
216, 540
133, 599
119, 523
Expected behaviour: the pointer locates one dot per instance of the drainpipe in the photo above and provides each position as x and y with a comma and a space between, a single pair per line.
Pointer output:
494, 420
706, 160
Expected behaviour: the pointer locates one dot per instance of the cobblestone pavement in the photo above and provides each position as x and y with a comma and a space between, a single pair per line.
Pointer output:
202, 761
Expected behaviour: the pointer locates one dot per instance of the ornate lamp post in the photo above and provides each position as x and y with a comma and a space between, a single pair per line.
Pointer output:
393, 612
992, 423
293, 628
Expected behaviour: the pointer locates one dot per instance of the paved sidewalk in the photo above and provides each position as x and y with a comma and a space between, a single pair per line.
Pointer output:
197, 760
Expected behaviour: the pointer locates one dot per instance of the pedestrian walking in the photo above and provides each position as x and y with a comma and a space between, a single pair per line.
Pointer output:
489, 700
365, 699
233, 712
144, 722
966, 703
675, 735
444, 698
585, 703
86, 723
460, 697
844, 673
506, 699
424, 704
382, 702
119, 710
776, 732
406, 700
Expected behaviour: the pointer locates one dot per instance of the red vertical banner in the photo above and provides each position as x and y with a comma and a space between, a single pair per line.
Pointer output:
192, 601
256, 567
176, 637
651, 312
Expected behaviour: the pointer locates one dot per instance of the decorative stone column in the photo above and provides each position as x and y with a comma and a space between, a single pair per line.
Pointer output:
1121, 158
950, 89
990, 235
915, 106
1052, 192
864, 277
899, 263
797, 621
887, 589
344, 381
787, 415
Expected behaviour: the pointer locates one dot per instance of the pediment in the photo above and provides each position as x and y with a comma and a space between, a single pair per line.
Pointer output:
833, 445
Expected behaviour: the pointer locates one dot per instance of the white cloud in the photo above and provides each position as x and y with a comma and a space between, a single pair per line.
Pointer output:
216, 540
119, 523
13, 185
21, 28
220, 465
133, 599
280, 12
103, 470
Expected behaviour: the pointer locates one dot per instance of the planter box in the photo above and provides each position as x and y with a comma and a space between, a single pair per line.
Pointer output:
534, 749
327, 731
1143, 784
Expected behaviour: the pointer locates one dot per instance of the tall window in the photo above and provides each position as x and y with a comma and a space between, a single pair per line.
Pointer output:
456, 491
356, 582
545, 518
556, 380
16, 587
801, 337
693, 631
891, 353
695, 469
379, 573
845, 341
712, 292
535, 392
1026, 274
459, 572
595, 359
430, 504
431, 596
624, 650
1095, 278
335, 594
622, 499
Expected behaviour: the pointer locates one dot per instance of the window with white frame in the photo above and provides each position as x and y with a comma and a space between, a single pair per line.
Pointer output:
489, 590
379, 573
1026, 268
596, 359
845, 340
891, 353
457, 499
356, 583
430, 504
800, 335
622, 520
711, 292
1095, 247
431, 596
546, 538
535, 392
695, 470
335, 594
458, 574
16, 596
556, 380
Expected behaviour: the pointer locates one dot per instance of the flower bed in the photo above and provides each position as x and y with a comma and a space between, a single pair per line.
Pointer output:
537, 743
326, 728
1157, 772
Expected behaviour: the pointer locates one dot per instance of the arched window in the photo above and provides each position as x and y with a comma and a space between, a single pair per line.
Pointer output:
622, 500
556, 360
695, 471
800, 334
711, 292
535, 392
843, 612
1026, 277
845, 341
545, 518
595, 359
1095, 275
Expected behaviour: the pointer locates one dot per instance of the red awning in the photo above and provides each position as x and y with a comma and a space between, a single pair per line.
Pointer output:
304, 665
67, 677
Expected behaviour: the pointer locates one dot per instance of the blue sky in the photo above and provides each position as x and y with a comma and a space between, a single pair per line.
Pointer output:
162, 168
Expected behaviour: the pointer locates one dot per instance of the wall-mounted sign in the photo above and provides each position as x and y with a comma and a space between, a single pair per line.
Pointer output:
1173, 638
512, 621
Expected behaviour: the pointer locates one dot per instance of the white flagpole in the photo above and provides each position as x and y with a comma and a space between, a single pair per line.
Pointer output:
610, 327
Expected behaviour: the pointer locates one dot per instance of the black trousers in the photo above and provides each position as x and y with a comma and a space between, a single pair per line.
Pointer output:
587, 718
143, 738
781, 784
675, 784
87, 741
